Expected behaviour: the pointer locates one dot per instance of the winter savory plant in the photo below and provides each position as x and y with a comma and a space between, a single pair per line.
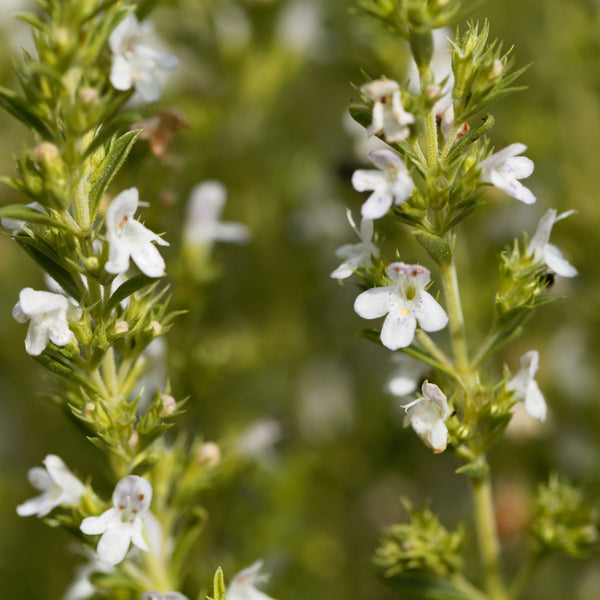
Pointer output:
437, 169
96, 326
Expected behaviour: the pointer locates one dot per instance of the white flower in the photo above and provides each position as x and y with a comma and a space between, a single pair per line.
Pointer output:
389, 115
128, 238
58, 485
405, 303
356, 255
81, 587
391, 184
504, 168
427, 416
167, 596
123, 523
242, 585
406, 376
542, 251
47, 313
525, 387
203, 227
135, 64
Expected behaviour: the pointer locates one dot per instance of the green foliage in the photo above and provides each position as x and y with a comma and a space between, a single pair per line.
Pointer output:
564, 521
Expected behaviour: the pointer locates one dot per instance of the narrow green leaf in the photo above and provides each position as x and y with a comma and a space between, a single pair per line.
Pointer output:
472, 136
31, 19
112, 163
126, 289
18, 108
30, 215
67, 372
45, 256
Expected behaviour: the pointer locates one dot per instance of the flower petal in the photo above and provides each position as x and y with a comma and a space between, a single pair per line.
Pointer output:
377, 204
98, 525
374, 303
148, 260
535, 404
364, 180
431, 316
113, 546
398, 330
557, 262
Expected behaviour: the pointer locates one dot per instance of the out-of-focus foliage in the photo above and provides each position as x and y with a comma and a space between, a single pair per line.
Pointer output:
317, 456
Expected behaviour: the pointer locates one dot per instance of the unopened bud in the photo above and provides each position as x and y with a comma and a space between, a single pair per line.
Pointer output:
496, 69
121, 327
45, 153
155, 328
89, 95
89, 411
92, 264
168, 403
133, 440
209, 453
433, 90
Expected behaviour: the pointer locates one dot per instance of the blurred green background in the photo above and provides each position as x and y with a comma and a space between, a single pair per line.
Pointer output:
268, 352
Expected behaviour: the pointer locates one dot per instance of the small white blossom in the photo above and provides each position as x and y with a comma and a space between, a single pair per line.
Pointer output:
503, 170
542, 251
242, 586
123, 523
356, 255
525, 387
58, 485
135, 64
202, 226
406, 376
427, 416
167, 596
405, 303
81, 587
389, 115
47, 313
390, 185
128, 238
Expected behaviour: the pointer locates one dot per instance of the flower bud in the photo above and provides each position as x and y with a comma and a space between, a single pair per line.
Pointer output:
45, 154
209, 453
169, 405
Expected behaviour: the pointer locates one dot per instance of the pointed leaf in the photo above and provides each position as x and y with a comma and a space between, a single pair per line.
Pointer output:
62, 370
19, 108
45, 256
30, 215
112, 163
126, 289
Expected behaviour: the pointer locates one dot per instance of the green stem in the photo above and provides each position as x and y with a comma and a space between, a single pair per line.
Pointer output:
431, 137
456, 324
487, 535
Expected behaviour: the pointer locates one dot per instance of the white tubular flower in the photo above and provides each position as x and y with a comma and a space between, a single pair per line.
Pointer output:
390, 185
405, 303
427, 416
406, 376
123, 523
389, 115
136, 64
356, 255
58, 485
203, 226
167, 596
525, 387
81, 587
47, 313
542, 251
128, 238
504, 168
242, 586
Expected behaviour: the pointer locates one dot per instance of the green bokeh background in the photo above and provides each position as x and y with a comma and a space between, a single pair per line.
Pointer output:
266, 118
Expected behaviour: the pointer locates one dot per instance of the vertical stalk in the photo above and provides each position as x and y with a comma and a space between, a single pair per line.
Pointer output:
458, 337
487, 535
